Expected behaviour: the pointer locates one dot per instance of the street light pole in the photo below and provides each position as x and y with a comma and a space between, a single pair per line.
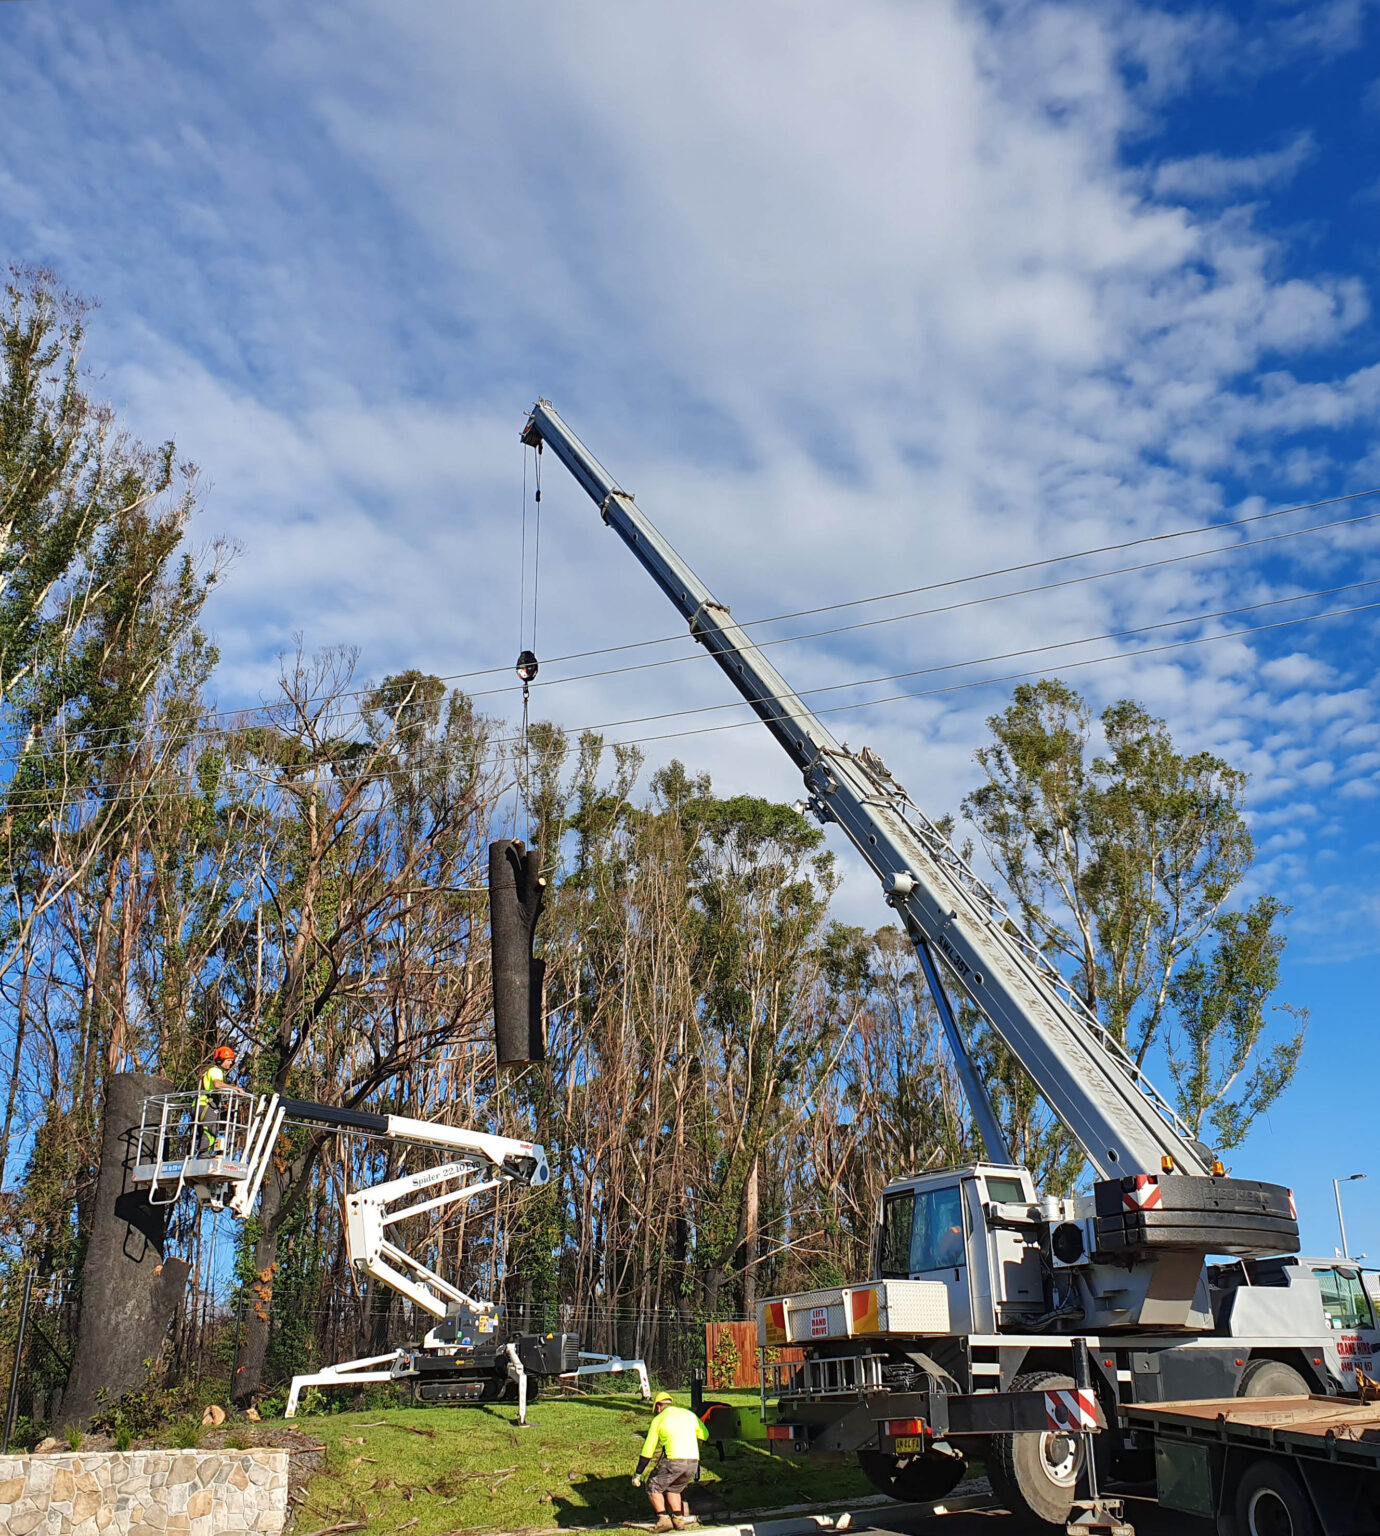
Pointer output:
1341, 1220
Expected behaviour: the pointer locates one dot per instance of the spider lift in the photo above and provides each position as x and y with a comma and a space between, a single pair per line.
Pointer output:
218, 1146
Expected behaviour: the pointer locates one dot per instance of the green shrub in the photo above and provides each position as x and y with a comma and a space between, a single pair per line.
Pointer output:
124, 1437
727, 1361
74, 1437
185, 1434
28, 1432
145, 1412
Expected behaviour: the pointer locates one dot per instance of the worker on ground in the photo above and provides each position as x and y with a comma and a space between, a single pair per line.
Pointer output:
676, 1433
213, 1116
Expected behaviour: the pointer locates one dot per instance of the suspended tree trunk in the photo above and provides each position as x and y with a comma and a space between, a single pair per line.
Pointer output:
129, 1292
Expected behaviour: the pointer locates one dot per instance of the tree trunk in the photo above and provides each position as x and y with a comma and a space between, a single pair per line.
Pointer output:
129, 1293
751, 1219
258, 1309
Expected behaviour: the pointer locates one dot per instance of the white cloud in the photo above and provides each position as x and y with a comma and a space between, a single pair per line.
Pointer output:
1298, 670
854, 300
1212, 177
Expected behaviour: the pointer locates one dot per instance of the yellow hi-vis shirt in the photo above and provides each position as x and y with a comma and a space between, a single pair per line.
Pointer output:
211, 1080
676, 1431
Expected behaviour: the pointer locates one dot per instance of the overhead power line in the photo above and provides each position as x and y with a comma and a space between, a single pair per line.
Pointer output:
494, 747
243, 717
1014, 677
968, 602
1123, 634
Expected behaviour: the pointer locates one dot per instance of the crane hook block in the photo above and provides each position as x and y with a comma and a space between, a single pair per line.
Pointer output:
527, 666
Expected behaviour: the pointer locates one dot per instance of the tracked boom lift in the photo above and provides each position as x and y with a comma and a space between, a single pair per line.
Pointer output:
980, 1286
218, 1147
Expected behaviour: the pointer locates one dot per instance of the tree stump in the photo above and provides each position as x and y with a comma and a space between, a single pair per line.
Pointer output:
129, 1292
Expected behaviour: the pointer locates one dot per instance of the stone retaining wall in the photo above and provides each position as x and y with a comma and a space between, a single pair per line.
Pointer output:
153, 1493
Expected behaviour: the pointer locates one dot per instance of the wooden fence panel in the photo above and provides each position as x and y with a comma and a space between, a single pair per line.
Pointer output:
730, 1350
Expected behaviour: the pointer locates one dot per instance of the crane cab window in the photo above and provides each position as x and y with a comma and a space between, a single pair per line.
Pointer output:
1005, 1191
898, 1217
1344, 1299
922, 1230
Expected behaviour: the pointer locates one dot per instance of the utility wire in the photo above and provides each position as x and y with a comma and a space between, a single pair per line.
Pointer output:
492, 748
1012, 677
890, 677
920, 613
987, 598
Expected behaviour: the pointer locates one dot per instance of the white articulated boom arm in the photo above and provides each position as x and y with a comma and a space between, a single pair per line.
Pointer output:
224, 1143
483, 1162
1118, 1118
370, 1212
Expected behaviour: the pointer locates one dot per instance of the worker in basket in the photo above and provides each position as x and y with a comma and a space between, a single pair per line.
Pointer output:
213, 1114
676, 1433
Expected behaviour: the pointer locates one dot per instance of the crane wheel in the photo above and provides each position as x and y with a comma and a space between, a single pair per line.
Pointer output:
1271, 1378
1035, 1474
914, 1479
1270, 1501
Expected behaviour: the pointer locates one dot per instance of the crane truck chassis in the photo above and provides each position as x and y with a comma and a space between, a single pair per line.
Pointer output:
980, 1286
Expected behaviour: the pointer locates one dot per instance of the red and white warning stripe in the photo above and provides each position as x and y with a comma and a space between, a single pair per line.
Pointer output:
1144, 1194
1070, 1411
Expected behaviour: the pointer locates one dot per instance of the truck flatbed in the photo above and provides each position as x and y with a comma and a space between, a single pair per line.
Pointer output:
1326, 1426
1292, 1464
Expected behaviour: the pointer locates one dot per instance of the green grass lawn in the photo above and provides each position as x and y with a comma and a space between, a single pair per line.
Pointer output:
426, 1471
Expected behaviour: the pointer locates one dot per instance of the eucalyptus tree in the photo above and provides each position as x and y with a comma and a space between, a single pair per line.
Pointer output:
353, 966
98, 600
1123, 863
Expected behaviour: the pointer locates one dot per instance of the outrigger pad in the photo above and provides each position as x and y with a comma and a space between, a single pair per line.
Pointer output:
1240, 1217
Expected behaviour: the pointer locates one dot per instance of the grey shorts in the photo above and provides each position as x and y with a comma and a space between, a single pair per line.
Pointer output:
671, 1476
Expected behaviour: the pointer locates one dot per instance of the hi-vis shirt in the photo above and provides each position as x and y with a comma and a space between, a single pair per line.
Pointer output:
678, 1432
211, 1080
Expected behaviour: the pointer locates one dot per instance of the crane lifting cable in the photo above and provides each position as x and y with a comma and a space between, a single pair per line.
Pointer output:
527, 665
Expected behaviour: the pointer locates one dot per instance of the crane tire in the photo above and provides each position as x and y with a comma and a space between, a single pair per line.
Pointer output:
914, 1479
1035, 1474
1271, 1378
1270, 1501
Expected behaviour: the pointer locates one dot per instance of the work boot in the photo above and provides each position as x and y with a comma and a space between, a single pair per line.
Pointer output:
683, 1522
664, 1523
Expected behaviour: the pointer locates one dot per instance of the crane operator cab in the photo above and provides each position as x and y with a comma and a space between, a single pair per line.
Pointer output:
938, 1227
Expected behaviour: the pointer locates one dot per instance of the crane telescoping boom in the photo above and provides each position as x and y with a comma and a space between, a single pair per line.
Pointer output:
1118, 1118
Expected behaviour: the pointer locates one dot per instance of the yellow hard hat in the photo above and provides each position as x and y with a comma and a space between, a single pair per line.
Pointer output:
662, 1397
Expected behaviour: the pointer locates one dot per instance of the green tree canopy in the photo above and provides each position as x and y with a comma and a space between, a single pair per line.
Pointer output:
1122, 856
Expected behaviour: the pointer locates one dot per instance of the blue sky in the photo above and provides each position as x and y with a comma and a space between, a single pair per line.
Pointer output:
856, 296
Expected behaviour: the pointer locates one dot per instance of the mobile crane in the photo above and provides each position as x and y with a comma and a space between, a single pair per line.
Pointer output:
218, 1147
965, 1334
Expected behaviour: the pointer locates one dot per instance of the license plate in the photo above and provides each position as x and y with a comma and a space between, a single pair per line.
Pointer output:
906, 1443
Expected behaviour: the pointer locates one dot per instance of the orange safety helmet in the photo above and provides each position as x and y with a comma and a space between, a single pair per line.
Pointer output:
224, 1053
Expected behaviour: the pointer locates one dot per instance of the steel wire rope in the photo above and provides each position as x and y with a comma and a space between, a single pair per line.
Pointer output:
522, 563
526, 786
571, 732
698, 655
